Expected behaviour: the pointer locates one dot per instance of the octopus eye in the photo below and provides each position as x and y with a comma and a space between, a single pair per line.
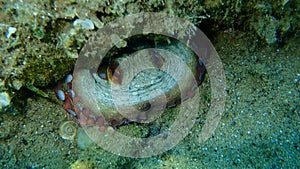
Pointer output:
109, 71
102, 72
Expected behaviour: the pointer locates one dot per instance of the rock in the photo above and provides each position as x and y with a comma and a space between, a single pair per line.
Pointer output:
4, 99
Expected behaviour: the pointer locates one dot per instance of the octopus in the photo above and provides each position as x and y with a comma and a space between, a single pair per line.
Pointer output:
135, 80
142, 101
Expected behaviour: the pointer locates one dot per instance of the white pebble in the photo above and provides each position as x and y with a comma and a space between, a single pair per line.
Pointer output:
4, 99
61, 95
84, 24
10, 31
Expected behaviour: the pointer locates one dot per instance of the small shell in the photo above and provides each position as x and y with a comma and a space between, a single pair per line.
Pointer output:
61, 95
68, 78
68, 130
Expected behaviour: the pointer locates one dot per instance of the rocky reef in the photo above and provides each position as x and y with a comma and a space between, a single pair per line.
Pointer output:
40, 40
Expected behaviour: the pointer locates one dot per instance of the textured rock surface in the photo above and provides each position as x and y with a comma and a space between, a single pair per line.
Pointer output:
40, 42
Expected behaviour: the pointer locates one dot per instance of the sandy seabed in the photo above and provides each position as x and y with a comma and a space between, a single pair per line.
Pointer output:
259, 128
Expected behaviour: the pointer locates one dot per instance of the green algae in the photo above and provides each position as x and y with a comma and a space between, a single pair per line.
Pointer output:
38, 91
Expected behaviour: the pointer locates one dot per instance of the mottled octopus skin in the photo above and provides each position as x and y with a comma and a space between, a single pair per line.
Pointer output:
94, 92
